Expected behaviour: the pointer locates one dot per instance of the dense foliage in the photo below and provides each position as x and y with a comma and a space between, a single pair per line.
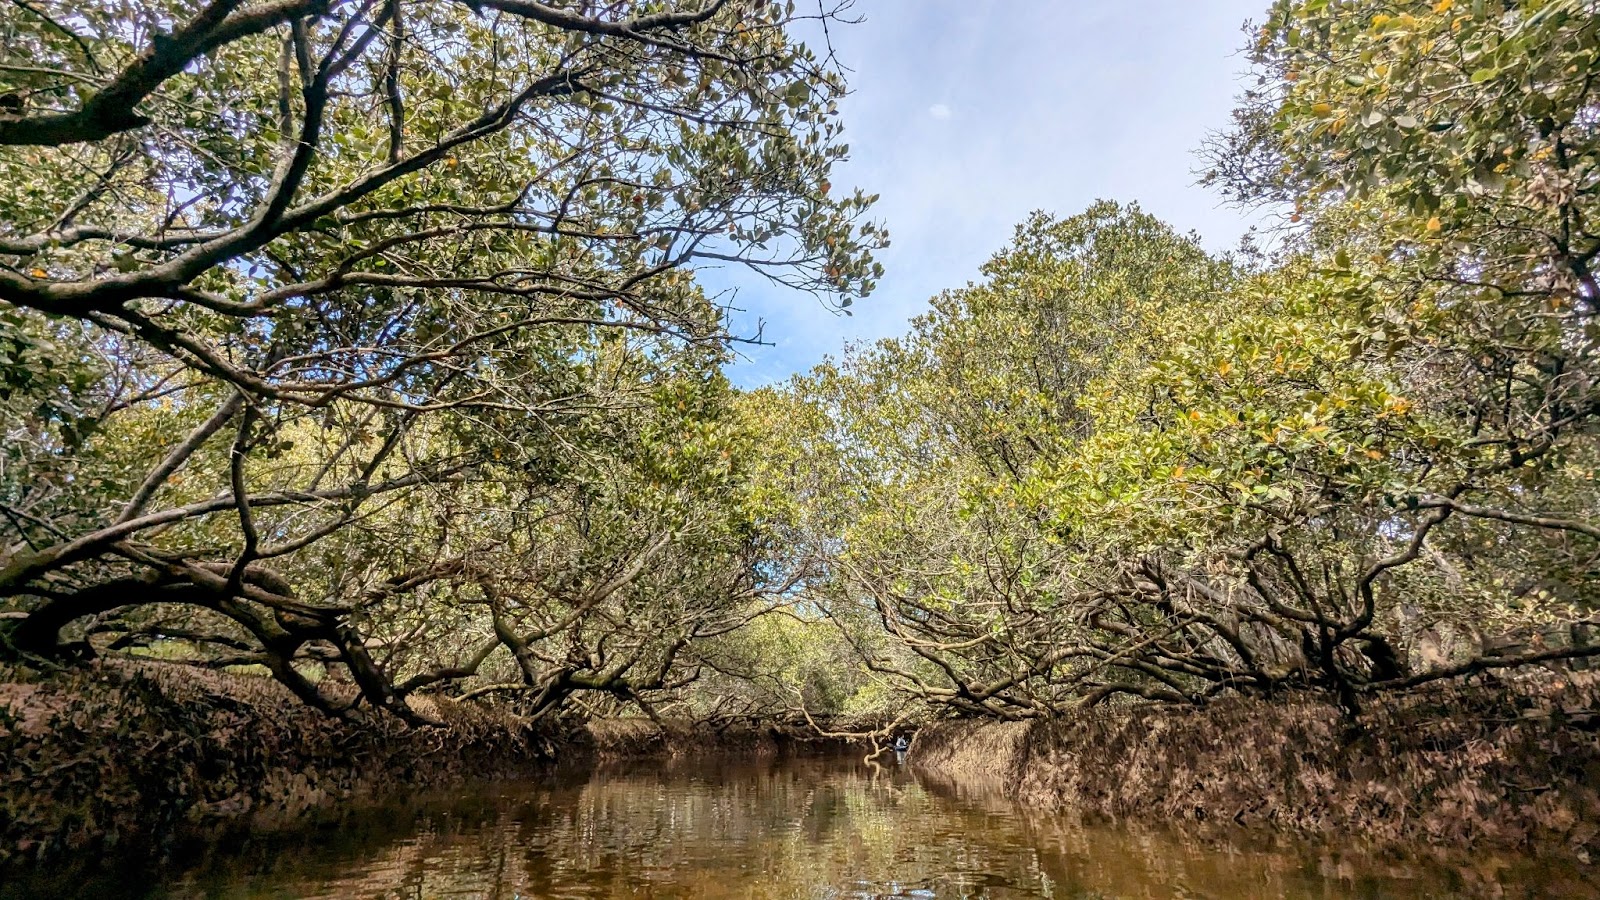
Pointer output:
1120, 467
361, 341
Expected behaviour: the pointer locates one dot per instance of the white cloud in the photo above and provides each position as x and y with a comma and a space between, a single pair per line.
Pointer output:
1052, 117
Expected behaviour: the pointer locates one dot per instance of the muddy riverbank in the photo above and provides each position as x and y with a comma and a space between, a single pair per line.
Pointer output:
121, 755
1506, 765
118, 757
779, 827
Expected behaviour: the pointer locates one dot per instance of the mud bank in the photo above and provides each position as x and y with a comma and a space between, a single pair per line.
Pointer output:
1505, 765
119, 753
126, 757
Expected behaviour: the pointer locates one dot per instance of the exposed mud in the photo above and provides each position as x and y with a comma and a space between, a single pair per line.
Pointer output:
1513, 765
119, 752
136, 756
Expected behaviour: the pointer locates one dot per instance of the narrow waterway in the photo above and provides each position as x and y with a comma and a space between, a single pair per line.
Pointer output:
808, 828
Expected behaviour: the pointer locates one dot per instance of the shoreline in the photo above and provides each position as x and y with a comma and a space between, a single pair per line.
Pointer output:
141, 756
1510, 765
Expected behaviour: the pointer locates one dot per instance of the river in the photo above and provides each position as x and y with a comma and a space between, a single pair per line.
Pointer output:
806, 828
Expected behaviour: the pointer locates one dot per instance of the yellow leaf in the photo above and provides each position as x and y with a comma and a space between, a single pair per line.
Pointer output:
1443, 6
1178, 472
1379, 21
1322, 110
1194, 415
39, 273
1374, 454
1434, 224
1224, 367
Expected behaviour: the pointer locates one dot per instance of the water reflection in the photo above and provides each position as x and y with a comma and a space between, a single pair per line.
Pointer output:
791, 829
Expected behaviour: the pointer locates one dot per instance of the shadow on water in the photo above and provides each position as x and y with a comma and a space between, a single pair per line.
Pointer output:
793, 828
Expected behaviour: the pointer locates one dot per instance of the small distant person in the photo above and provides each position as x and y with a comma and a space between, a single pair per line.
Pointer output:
901, 745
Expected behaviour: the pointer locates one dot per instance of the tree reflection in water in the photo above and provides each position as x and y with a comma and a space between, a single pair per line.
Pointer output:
813, 828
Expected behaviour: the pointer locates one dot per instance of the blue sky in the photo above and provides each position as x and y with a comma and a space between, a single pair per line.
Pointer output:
967, 114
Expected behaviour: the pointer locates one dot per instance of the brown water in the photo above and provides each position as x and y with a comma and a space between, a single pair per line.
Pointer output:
810, 828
